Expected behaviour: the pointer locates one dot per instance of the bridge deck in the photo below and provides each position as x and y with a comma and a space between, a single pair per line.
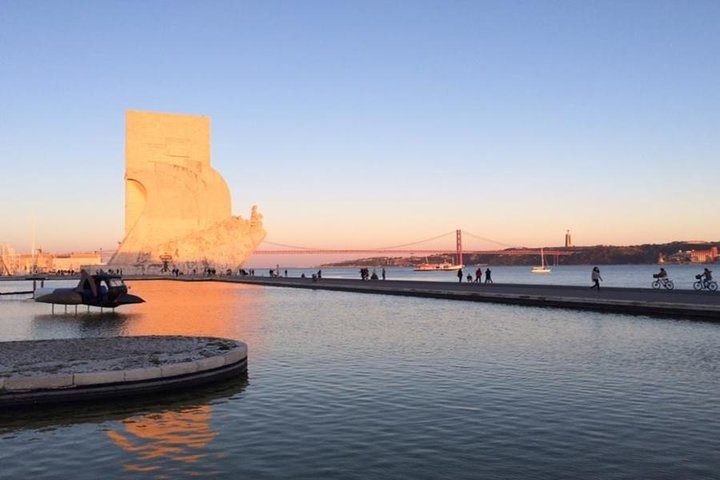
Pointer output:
637, 301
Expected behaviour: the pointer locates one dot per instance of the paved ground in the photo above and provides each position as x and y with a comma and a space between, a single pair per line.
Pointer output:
643, 301
83, 355
34, 372
682, 303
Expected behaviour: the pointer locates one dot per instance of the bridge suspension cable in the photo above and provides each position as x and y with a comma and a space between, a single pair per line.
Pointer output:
392, 247
507, 249
295, 247
490, 240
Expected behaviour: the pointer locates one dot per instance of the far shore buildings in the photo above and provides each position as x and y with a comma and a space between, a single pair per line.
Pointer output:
12, 263
709, 255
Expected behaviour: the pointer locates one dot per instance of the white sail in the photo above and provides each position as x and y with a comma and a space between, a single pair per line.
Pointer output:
542, 268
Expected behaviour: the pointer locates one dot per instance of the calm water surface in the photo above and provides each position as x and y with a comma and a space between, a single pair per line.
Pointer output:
343, 385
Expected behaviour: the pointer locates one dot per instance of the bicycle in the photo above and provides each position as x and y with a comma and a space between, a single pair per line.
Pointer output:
703, 284
663, 282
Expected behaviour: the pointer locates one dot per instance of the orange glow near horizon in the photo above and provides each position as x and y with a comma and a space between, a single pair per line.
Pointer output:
350, 225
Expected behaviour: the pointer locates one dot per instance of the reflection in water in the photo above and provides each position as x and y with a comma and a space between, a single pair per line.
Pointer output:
198, 308
158, 434
169, 436
92, 324
171, 308
56, 416
174, 437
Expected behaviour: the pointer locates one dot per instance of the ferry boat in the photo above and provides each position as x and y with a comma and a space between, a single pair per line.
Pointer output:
437, 267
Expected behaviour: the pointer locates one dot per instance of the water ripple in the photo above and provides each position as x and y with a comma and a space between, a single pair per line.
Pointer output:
359, 386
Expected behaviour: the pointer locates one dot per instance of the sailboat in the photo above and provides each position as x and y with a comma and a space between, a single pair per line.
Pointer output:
542, 268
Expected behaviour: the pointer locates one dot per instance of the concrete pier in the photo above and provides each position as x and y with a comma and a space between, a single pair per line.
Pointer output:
636, 301
69, 370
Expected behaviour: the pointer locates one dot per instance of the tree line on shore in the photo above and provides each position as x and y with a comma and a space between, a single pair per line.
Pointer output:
592, 255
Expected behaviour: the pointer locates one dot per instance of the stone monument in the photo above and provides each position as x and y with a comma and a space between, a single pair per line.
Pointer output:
177, 207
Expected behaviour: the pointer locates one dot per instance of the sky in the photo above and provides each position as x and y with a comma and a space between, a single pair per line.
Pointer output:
373, 123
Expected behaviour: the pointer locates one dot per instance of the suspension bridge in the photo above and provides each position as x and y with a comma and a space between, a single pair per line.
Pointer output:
416, 248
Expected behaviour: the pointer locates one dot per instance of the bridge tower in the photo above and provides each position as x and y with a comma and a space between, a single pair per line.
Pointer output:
458, 245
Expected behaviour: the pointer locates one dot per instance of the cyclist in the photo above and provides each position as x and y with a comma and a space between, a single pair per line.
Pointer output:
706, 276
662, 279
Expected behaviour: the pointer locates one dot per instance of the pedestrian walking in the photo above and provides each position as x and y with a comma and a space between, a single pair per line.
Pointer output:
383, 273
478, 275
596, 278
488, 277
460, 275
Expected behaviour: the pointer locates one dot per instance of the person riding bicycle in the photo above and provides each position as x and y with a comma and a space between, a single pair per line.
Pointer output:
662, 280
707, 275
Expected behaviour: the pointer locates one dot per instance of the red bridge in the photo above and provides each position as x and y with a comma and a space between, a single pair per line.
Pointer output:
406, 250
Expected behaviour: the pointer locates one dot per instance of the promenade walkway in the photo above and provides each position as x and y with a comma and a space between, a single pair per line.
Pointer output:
638, 301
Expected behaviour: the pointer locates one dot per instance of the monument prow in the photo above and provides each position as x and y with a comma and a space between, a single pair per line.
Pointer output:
178, 209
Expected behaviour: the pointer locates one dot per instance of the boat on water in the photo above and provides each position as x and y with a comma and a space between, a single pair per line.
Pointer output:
98, 290
542, 268
437, 267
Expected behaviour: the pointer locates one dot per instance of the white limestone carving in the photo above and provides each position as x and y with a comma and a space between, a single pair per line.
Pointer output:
177, 207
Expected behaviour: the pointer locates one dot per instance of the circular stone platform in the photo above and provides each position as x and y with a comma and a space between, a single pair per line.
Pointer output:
46, 371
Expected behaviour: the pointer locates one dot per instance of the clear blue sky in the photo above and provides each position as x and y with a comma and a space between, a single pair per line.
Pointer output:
372, 123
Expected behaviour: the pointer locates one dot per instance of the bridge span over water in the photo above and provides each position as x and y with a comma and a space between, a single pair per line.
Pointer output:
415, 248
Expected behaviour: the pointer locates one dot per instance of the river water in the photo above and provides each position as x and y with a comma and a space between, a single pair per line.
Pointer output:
352, 386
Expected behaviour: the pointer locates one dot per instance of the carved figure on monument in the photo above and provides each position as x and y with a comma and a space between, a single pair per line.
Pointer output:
176, 204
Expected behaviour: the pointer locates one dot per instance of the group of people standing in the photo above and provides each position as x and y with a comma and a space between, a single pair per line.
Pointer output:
478, 276
365, 274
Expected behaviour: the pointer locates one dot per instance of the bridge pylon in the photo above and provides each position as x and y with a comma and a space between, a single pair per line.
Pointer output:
458, 246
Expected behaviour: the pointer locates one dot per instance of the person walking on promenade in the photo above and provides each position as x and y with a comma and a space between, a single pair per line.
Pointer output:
596, 278
460, 275
383, 273
478, 275
488, 275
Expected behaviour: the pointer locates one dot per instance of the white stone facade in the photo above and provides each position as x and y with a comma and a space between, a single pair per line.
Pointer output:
177, 207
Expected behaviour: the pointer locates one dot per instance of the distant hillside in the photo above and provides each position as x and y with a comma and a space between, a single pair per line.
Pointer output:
595, 255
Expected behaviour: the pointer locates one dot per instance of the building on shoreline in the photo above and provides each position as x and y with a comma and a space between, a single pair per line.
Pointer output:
709, 255
12, 263
8, 260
